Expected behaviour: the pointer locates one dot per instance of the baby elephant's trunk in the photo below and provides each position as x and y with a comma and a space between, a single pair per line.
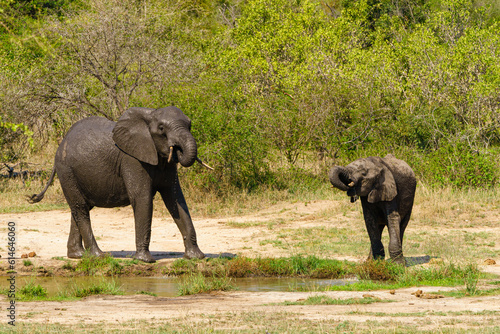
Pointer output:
340, 178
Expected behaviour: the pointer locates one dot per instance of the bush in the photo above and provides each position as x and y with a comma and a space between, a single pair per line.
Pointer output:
460, 166
267, 83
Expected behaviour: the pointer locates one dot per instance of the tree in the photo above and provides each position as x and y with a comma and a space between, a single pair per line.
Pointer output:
106, 57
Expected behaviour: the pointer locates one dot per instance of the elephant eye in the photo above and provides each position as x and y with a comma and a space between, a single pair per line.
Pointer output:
161, 127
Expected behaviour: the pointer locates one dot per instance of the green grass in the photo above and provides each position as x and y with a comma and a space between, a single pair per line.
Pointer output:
31, 291
463, 293
371, 275
295, 266
20, 208
192, 284
104, 265
325, 300
428, 313
36, 292
105, 287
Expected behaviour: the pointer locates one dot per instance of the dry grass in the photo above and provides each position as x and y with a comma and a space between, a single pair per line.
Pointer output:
285, 321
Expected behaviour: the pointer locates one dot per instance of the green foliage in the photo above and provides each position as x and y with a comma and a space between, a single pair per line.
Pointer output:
102, 288
462, 167
35, 8
268, 84
92, 265
471, 277
30, 291
10, 134
379, 270
325, 300
372, 275
294, 266
192, 284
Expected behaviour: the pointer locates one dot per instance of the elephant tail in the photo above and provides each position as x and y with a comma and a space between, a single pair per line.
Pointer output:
35, 198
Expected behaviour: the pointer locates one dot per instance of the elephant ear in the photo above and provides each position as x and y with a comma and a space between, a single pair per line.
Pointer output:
384, 188
131, 134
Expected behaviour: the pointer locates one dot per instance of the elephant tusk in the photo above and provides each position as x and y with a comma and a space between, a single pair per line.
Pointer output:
203, 164
351, 184
170, 154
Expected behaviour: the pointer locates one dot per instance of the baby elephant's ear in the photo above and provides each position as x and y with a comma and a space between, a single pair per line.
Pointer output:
131, 134
384, 188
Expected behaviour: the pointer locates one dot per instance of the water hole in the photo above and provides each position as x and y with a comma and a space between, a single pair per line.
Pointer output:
168, 287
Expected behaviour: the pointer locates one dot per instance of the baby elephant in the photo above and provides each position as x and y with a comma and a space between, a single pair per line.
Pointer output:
386, 187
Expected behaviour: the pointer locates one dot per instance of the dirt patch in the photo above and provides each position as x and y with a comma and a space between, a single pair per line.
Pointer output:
45, 233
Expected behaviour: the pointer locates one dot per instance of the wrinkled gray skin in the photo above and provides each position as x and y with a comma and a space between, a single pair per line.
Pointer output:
111, 164
386, 187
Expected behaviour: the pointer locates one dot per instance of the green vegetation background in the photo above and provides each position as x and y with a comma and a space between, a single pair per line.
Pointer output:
273, 87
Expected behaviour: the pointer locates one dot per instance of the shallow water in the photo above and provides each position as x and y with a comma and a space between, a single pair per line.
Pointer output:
168, 287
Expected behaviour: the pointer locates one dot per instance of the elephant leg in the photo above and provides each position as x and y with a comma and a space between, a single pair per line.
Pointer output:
81, 228
80, 217
143, 215
377, 251
75, 245
404, 224
374, 227
395, 237
176, 205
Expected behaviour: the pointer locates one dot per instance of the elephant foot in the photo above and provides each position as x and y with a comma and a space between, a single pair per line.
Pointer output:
399, 260
96, 252
194, 253
75, 253
144, 256
79, 252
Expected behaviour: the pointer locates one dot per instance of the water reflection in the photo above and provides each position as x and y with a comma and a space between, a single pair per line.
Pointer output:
168, 287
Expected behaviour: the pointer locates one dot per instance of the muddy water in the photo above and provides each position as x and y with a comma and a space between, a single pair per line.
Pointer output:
167, 287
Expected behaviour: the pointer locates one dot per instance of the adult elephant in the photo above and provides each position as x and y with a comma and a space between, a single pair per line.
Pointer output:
386, 187
101, 163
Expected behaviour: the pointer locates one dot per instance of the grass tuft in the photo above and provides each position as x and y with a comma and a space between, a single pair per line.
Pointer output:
108, 287
295, 266
92, 265
31, 291
326, 300
379, 270
197, 283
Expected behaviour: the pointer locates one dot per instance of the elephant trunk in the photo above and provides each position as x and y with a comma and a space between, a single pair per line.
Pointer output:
340, 178
188, 151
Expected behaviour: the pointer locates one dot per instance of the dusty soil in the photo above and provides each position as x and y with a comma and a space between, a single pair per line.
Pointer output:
45, 233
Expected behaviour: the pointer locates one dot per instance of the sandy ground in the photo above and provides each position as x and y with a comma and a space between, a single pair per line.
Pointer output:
45, 233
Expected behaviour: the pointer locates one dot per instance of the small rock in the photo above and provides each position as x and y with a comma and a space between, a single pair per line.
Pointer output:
420, 294
24, 256
32, 254
417, 293
431, 296
489, 262
392, 292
